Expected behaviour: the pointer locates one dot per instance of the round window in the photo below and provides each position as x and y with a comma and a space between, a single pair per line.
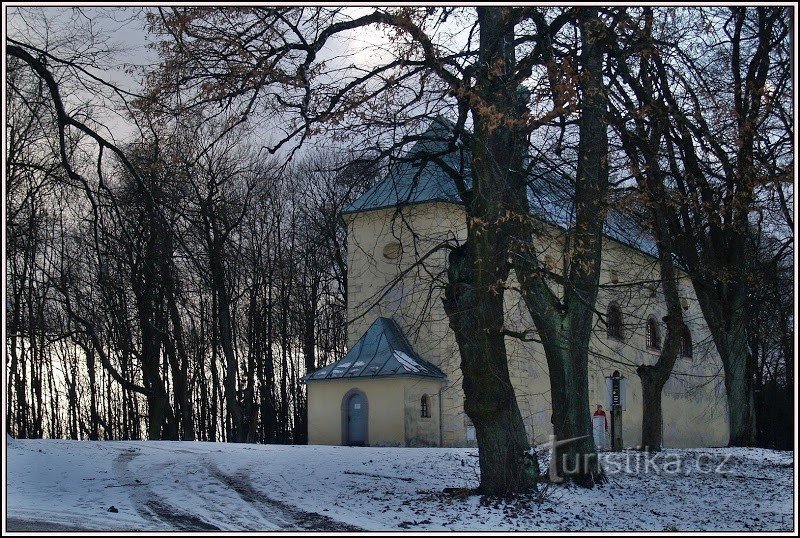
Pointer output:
392, 251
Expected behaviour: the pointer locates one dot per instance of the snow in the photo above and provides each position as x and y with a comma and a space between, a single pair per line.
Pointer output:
408, 364
160, 486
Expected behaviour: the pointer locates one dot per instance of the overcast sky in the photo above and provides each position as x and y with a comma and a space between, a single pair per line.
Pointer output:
121, 32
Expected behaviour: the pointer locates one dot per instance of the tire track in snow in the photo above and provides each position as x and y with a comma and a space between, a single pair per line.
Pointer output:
288, 517
152, 506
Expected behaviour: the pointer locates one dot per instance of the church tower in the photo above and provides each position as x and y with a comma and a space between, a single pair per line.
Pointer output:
398, 233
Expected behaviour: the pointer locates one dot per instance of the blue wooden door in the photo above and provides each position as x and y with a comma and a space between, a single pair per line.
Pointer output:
356, 421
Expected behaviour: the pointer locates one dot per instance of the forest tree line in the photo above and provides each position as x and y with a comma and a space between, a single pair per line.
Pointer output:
184, 306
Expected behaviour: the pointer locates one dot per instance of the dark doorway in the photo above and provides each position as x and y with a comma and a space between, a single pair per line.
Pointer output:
356, 420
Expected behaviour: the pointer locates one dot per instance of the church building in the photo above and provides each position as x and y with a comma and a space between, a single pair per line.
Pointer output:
400, 382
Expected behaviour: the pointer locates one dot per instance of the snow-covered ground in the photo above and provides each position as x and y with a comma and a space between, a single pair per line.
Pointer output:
159, 486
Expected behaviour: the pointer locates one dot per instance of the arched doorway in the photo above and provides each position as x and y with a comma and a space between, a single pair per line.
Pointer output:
354, 418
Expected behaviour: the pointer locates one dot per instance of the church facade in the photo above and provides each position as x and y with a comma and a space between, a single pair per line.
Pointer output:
400, 382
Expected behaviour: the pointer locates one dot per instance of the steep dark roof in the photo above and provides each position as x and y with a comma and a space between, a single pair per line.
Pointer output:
382, 351
417, 178
551, 199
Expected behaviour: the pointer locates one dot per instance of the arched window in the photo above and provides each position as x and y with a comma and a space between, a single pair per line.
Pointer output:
614, 321
425, 406
652, 338
686, 343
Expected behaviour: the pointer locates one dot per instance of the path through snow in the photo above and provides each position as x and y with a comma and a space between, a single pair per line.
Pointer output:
193, 486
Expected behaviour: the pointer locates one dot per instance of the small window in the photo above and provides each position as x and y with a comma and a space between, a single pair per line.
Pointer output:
652, 338
471, 433
686, 343
425, 407
392, 251
471, 437
614, 321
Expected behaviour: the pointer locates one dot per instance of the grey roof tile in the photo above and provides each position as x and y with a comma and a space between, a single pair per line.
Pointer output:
382, 351
417, 179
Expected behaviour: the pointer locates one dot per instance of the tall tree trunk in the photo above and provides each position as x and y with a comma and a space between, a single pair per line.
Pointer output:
726, 321
72, 395
111, 414
214, 428
479, 269
34, 384
490, 401
55, 404
250, 405
654, 377
739, 366
157, 399
565, 326
94, 425
179, 365
267, 386
569, 399
175, 346
224, 323
309, 327
16, 394
646, 146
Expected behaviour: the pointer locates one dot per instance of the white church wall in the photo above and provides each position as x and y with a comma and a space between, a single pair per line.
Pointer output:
694, 405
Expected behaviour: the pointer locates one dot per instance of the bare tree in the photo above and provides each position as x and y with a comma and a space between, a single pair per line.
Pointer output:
114, 281
725, 133
641, 124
